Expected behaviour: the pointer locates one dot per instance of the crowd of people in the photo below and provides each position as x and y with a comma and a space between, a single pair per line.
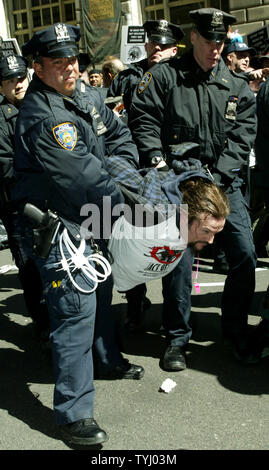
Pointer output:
168, 130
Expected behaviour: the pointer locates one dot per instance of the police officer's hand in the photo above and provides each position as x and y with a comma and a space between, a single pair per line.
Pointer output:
192, 164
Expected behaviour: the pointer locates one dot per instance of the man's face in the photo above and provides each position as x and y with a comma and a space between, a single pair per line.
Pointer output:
157, 52
14, 89
206, 53
238, 61
59, 73
96, 79
202, 231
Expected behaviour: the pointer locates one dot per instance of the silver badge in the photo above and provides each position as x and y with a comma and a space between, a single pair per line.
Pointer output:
217, 18
231, 109
61, 33
163, 26
12, 62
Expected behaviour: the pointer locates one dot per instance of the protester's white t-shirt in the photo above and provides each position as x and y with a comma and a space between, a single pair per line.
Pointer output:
142, 254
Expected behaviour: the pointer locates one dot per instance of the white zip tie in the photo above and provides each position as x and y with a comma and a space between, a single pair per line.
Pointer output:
79, 261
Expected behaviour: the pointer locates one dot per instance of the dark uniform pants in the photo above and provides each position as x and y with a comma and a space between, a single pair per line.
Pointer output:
106, 350
28, 273
237, 243
72, 318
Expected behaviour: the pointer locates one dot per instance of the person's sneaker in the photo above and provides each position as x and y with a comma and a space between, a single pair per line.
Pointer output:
83, 432
174, 359
125, 370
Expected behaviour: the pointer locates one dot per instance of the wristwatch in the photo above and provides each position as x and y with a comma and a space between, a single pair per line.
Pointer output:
157, 159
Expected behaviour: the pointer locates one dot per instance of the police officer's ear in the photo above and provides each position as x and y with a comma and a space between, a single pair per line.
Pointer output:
38, 68
193, 35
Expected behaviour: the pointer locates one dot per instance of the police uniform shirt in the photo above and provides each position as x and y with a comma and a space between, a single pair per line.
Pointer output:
8, 116
125, 82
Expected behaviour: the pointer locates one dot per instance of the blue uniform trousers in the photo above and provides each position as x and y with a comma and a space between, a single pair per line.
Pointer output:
237, 243
72, 319
106, 350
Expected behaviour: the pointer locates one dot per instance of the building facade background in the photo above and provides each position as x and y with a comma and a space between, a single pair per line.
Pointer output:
21, 18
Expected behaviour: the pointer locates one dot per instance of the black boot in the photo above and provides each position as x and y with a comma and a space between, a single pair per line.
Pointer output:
83, 432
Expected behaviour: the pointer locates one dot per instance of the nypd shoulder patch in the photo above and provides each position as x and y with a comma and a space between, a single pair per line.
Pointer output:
66, 135
144, 82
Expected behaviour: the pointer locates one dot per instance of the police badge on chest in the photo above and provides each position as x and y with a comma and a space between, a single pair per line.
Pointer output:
231, 108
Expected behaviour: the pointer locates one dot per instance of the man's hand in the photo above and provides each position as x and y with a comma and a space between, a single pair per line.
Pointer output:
259, 74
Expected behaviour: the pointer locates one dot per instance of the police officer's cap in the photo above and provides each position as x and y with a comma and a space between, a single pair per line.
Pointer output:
239, 47
59, 40
163, 32
212, 23
13, 66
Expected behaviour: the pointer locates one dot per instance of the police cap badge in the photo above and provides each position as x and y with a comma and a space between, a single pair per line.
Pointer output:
59, 40
212, 23
163, 32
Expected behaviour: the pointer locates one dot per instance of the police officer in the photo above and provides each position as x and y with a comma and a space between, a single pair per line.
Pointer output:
162, 39
197, 99
60, 165
14, 83
261, 172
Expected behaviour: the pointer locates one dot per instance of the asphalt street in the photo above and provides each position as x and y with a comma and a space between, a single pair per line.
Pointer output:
216, 404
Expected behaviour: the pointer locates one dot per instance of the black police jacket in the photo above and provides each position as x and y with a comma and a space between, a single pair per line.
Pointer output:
62, 144
125, 82
262, 139
177, 102
8, 116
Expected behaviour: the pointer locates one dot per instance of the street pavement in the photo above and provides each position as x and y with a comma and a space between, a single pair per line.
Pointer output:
216, 404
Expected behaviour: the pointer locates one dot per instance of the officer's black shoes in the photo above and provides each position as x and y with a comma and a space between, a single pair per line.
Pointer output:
125, 370
83, 432
174, 359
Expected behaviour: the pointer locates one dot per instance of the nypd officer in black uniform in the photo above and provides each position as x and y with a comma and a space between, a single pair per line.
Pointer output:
60, 166
14, 83
197, 99
162, 38
161, 45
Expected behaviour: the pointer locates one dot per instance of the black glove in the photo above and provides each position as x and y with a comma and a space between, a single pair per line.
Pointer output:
192, 164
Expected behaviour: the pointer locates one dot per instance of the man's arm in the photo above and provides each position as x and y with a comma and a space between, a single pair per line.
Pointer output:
118, 138
6, 152
147, 115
